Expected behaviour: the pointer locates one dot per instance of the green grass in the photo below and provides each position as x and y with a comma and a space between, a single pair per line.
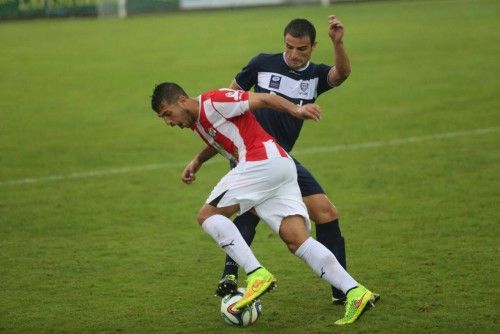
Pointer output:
123, 252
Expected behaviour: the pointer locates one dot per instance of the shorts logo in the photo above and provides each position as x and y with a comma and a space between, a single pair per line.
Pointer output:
304, 87
212, 132
275, 82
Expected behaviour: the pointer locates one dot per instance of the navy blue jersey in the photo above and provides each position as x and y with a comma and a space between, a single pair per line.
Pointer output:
269, 73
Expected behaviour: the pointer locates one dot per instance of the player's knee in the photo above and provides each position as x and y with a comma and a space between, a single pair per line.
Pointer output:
203, 214
334, 213
293, 232
201, 218
293, 246
292, 242
324, 213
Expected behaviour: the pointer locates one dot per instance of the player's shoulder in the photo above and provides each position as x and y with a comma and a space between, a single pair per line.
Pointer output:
208, 94
319, 67
268, 55
225, 95
266, 58
211, 95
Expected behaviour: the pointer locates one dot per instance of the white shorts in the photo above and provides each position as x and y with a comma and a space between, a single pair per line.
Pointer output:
270, 186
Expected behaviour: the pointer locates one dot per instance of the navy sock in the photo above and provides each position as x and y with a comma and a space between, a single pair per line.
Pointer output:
329, 235
246, 224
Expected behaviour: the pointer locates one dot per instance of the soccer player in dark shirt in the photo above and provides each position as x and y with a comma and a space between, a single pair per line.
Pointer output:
293, 76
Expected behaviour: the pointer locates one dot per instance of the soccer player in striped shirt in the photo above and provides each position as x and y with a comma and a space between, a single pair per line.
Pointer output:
264, 180
293, 76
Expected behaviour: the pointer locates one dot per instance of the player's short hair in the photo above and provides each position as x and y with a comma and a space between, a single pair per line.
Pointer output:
167, 92
299, 28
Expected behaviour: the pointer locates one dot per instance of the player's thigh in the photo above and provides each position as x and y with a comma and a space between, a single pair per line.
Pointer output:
321, 209
307, 182
286, 202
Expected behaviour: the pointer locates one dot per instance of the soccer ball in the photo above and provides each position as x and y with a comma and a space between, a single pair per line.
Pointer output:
241, 318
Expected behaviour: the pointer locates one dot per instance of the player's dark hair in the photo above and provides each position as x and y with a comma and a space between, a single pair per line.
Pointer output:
299, 28
167, 92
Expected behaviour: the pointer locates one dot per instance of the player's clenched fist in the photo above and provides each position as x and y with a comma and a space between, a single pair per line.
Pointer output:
335, 29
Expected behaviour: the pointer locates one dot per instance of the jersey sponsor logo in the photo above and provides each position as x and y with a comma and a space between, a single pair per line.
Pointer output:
275, 81
299, 89
304, 88
234, 94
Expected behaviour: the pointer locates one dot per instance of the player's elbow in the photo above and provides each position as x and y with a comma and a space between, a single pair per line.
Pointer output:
234, 85
342, 76
346, 74
339, 77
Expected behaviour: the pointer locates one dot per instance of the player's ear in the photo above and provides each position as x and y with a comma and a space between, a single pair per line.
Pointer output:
181, 99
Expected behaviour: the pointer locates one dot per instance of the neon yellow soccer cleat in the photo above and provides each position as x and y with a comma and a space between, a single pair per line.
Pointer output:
359, 299
258, 283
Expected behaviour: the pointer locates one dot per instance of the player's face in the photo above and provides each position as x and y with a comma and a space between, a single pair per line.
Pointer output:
176, 115
298, 51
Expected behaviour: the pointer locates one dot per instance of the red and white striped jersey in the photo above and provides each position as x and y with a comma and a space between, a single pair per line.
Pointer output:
226, 123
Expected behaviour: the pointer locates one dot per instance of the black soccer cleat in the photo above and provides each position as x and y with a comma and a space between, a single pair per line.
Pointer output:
227, 285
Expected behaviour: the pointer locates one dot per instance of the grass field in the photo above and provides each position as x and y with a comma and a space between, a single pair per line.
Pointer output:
98, 234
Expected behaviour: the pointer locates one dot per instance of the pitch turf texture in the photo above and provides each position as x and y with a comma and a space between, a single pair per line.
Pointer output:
98, 234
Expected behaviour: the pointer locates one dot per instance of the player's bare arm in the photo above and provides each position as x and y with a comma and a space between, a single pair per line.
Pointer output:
234, 85
278, 103
342, 69
189, 173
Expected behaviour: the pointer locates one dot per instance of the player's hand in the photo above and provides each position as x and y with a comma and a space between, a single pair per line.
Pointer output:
308, 111
335, 29
189, 173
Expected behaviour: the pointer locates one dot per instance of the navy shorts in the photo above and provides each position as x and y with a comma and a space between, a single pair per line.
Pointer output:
307, 183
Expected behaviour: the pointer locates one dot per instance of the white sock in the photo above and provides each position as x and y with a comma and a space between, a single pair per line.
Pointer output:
226, 234
325, 265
